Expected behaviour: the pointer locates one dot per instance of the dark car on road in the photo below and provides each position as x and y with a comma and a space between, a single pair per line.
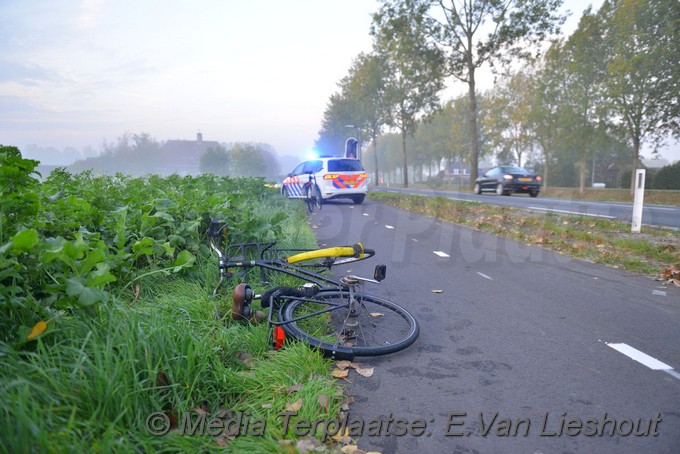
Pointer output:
504, 180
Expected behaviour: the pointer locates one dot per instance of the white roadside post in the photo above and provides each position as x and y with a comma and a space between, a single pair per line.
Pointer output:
638, 200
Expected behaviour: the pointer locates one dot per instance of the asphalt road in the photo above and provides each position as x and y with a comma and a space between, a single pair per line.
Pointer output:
524, 350
654, 215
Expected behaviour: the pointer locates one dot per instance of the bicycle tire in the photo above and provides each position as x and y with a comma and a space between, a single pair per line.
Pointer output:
309, 199
383, 326
316, 195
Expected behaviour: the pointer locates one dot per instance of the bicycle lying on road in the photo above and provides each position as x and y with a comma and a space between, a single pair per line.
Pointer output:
334, 316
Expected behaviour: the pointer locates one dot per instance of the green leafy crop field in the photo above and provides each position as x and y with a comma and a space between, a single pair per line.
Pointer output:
110, 337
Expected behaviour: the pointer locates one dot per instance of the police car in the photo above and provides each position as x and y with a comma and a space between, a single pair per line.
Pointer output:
335, 177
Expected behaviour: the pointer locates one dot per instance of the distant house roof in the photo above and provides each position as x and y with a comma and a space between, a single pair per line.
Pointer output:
184, 156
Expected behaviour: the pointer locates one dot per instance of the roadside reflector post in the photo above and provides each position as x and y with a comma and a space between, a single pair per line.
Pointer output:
638, 200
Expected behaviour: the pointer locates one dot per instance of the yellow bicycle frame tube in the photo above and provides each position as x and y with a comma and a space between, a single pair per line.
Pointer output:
341, 251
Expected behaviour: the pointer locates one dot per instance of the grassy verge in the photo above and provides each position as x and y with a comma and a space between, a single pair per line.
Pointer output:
653, 252
104, 379
652, 196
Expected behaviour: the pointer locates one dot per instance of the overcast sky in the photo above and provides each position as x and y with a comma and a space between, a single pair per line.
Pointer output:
78, 72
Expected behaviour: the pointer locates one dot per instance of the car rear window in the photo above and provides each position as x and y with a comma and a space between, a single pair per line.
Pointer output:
345, 165
520, 170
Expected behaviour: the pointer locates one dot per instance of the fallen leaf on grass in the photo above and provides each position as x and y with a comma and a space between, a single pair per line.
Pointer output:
309, 444
162, 379
37, 330
340, 373
342, 436
224, 413
202, 409
172, 419
671, 275
267, 405
294, 406
344, 405
245, 357
294, 388
324, 401
222, 440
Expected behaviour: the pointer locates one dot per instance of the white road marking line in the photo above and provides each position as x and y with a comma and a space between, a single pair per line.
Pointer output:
572, 212
485, 276
672, 373
640, 357
441, 254
658, 293
388, 226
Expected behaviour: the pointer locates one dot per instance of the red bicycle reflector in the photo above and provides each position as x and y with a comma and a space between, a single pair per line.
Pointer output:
279, 337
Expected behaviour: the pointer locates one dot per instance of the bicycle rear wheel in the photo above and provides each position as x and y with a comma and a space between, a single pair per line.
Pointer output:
370, 326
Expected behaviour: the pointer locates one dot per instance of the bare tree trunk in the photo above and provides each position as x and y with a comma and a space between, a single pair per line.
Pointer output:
375, 159
403, 155
635, 163
582, 175
472, 117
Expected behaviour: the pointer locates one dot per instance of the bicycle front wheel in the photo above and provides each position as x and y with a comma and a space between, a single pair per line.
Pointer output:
333, 320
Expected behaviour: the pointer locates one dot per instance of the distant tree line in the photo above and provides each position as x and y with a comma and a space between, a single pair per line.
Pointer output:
134, 154
241, 160
140, 154
53, 156
585, 104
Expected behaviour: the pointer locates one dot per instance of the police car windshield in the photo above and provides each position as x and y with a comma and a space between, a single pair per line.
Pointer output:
344, 165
